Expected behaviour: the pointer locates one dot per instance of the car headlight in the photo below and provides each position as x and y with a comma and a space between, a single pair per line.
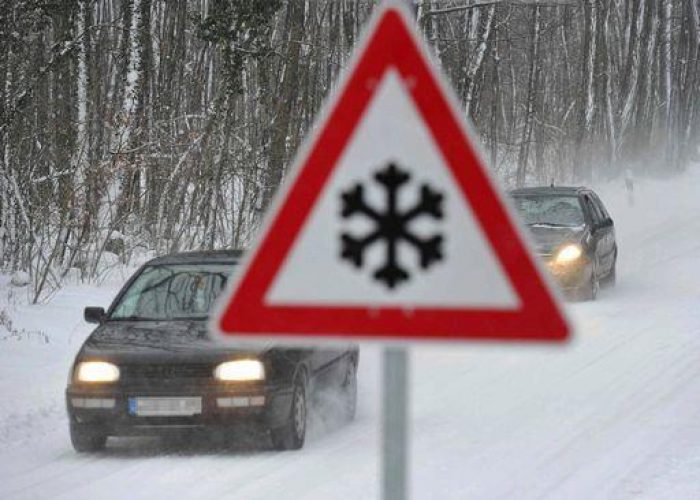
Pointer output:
242, 370
568, 254
96, 371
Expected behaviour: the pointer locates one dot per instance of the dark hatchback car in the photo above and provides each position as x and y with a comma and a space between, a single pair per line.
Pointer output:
149, 368
573, 234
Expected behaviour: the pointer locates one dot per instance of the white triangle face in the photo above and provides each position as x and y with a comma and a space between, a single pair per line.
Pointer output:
468, 276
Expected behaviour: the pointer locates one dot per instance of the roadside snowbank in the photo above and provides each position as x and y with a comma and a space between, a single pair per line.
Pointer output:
35, 355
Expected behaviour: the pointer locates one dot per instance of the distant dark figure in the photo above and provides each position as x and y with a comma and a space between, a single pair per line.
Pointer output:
629, 187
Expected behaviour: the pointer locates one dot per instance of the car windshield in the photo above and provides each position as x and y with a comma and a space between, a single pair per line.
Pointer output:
550, 210
177, 291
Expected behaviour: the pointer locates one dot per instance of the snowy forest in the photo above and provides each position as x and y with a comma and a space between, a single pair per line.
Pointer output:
132, 127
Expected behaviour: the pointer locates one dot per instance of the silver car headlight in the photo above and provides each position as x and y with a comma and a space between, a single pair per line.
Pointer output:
568, 254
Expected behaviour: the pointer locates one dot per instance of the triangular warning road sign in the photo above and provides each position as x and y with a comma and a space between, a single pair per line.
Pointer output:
390, 226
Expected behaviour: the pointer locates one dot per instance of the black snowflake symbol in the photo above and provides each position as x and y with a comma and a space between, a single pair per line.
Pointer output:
391, 226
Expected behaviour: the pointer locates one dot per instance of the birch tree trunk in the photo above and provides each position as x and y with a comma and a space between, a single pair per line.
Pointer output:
475, 63
533, 75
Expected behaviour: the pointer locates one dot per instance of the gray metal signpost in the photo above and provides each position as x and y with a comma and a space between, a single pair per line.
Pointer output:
395, 423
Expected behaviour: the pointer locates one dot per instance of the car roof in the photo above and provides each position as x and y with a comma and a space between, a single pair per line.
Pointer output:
549, 190
198, 257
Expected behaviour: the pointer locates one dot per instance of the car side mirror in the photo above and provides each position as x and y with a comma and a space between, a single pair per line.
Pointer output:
604, 224
94, 315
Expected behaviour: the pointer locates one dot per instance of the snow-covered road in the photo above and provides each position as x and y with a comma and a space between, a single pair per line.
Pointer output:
614, 414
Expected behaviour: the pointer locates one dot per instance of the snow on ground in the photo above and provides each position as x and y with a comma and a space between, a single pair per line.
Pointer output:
614, 414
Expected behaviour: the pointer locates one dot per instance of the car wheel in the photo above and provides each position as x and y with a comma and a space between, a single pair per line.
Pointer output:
590, 291
349, 391
85, 441
611, 278
291, 436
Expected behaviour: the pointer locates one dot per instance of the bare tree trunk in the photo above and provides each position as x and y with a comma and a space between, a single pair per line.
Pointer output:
666, 10
533, 76
630, 85
587, 106
278, 146
475, 64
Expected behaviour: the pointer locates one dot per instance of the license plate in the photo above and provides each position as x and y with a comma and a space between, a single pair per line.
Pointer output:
165, 407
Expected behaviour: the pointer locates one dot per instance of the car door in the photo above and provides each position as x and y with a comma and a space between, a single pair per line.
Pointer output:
594, 220
608, 232
599, 233
328, 366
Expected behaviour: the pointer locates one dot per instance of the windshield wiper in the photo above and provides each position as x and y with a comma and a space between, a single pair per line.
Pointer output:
133, 318
548, 224
171, 318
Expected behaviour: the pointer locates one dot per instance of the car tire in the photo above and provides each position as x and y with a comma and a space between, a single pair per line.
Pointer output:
85, 441
610, 280
590, 290
349, 391
292, 434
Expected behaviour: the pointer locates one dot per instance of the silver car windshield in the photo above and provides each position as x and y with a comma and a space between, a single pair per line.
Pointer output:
550, 210
178, 291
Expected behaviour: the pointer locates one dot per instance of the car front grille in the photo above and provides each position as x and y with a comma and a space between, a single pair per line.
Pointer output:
165, 372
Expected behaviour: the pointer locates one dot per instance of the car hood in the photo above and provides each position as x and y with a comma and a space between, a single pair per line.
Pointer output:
158, 340
548, 238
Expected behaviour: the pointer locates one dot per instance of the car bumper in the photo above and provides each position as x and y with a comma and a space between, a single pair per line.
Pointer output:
107, 411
